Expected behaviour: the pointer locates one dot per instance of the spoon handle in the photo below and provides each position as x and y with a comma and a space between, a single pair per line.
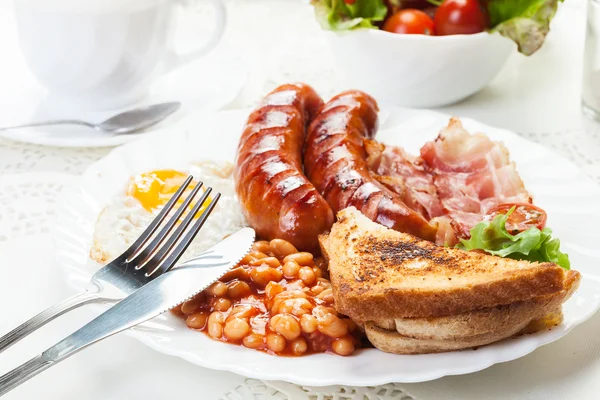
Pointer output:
48, 123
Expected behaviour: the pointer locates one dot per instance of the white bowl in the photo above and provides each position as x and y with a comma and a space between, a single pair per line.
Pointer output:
418, 70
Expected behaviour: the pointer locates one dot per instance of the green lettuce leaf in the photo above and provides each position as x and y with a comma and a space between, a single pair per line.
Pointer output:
532, 244
336, 15
526, 22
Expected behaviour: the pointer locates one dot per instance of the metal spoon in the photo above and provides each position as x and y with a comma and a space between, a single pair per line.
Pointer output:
123, 123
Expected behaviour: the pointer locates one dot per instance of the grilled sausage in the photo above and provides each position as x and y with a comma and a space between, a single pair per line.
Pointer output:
278, 200
335, 161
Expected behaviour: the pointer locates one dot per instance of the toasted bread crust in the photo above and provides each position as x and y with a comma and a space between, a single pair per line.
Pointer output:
385, 274
478, 324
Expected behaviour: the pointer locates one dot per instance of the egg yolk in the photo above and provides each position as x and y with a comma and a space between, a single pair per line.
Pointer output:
154, 189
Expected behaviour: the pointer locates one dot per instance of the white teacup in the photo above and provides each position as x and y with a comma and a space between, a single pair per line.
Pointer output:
103, 54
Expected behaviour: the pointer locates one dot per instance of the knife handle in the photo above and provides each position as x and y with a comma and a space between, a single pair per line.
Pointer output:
131, 311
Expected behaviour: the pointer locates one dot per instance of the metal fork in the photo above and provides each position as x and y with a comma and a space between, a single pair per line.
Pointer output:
138, 265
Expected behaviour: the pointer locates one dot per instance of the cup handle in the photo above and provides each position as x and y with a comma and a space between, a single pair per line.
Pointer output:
175, 59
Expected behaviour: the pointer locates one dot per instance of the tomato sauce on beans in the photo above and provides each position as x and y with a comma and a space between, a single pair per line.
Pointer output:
278, 300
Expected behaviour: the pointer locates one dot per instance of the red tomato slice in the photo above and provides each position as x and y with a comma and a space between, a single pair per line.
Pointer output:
522, 218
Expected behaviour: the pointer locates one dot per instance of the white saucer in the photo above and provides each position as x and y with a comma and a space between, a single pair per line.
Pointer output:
207, 84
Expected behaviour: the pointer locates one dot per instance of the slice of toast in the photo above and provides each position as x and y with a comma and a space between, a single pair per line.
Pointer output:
472, 329
379, 274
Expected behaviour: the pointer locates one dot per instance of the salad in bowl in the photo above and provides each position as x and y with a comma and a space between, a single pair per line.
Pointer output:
428, 53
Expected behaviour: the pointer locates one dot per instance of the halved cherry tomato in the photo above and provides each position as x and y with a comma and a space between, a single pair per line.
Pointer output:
522, 218
456, 17
409, 21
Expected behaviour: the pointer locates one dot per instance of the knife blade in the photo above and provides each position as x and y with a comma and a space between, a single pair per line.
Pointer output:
163, 293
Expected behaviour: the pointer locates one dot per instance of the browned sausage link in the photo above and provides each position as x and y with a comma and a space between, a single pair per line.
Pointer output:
335, 161
277, 198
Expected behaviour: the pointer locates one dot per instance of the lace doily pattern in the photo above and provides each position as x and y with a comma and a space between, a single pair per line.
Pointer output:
17, 157
253, 389
582, 146
28, 203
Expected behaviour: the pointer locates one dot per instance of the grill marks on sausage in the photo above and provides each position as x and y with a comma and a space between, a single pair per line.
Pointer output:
275, 194
336, 162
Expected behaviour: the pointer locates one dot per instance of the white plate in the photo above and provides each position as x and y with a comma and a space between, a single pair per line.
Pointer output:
206, 84
569, 197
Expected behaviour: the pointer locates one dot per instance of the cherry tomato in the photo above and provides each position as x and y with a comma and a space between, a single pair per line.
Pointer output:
350, 2
522, 218
456, 17
409, 21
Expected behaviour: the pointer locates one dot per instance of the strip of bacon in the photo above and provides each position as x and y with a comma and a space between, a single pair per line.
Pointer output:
472, 174
457, 179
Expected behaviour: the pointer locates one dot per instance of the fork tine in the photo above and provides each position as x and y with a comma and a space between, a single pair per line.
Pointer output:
185, 242
164, 250
144, 255
141, 241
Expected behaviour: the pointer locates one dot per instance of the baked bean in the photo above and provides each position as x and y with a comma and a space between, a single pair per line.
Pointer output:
215, 330
281, 248
326, 296
318, 272
290, 269
217, 289
308, 323
263, 275
215, 325
254, 341
217, 317
303, 258
243, 311
236, 328
276, 343
332, 326
307, 275
344, 346
191, 306
261, 246
285, 325
273, 289
317, 289
299, 346
247, 259
239, 273
258, 254
221, 304
330, 310
289, 294
197, 320
238, 289
350, 324
272, 262
296, 307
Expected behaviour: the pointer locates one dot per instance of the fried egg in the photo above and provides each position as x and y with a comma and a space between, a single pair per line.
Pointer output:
124, 219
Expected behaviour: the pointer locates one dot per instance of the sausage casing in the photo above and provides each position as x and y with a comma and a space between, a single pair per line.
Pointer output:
277, 199
335, 161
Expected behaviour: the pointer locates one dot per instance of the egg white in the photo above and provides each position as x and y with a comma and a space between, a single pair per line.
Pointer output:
124, 219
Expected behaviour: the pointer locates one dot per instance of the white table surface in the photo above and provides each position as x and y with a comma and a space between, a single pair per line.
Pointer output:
537, 96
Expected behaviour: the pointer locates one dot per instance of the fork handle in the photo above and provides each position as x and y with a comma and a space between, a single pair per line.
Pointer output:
48, 315
25, 372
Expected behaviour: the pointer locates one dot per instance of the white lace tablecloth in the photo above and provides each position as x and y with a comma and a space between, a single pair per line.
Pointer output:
282, 43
